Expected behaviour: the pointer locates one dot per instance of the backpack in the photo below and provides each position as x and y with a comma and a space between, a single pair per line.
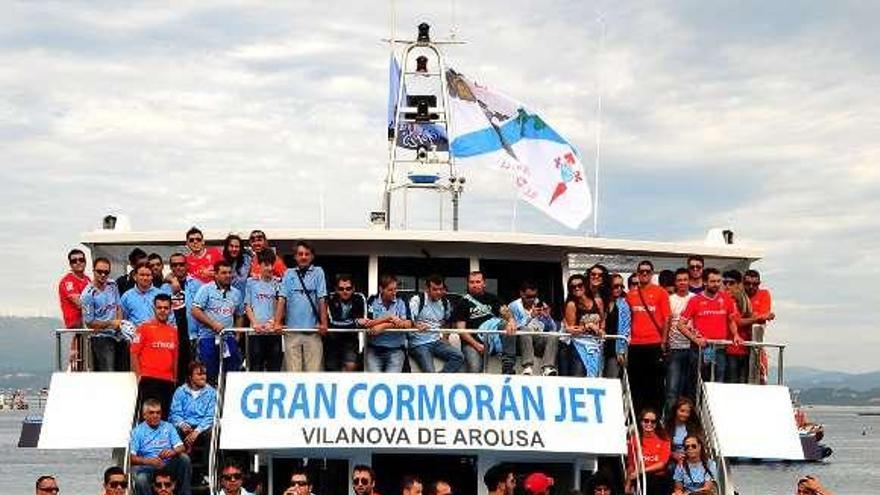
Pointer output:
422, 305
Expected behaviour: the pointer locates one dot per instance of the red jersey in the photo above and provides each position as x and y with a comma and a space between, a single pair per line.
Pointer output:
710, 315
155, 348
71, 285
654, 450
761, 302
644, 331
202, 267
278, 268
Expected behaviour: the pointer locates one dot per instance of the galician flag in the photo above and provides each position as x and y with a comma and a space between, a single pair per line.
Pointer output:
549, 175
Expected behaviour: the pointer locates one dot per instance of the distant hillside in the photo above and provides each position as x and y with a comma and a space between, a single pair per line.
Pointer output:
805, 378
27, 344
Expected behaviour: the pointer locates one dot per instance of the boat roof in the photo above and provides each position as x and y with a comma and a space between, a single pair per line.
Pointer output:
567, 244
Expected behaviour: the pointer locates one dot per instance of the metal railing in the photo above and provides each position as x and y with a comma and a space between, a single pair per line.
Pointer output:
632, 430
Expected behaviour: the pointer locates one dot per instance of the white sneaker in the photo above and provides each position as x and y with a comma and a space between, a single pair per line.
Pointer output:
527, 370
550, 371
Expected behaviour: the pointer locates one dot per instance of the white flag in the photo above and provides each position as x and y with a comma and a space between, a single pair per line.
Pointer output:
549, 174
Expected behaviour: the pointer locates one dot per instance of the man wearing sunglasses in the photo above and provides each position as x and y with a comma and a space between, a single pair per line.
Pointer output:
259, 243
115, 481
345, 308
231, 480
695, 264
103, 315
363, 480
200, 260
182, 288
70, 288
300, 484
762, 309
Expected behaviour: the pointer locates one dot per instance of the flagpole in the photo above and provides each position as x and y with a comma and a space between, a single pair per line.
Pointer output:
601, 21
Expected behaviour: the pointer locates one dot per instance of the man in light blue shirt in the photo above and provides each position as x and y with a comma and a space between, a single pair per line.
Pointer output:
183, 288
103, 314
155, 444
531, 315
385, 311
303, 304
431, 310
218, 306
260, 300
137, 302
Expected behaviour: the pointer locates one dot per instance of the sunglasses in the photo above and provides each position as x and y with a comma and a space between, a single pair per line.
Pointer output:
195, 239
179, 263
163, 484
645, 271
77, 260
649, 421
695, 267
691, 446
576, 286
102, 272
360, 481
345, 289
52, 489
299, 483
232, 476
257, 238
118, 484
595, 274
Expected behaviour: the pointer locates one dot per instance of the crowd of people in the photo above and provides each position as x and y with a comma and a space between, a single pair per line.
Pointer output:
170, 329
501, 479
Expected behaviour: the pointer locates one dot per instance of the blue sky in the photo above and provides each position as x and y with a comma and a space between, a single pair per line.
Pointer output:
760, 116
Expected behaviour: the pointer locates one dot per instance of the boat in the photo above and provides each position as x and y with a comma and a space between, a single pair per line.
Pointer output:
457, 426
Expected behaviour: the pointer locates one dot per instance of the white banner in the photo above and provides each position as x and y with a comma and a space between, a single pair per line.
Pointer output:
422, 411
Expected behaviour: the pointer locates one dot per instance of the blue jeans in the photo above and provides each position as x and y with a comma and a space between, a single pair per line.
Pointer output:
108, 354
208, 354
384, 359
714, 358
679, 376
424, 355
180, 468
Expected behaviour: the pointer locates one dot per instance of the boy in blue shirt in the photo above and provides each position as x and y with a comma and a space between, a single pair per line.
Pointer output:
430, 311
260, 299
385, 311
154, 445
218, 306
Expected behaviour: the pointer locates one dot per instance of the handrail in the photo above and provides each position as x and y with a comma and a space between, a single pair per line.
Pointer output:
214, 445
633, 428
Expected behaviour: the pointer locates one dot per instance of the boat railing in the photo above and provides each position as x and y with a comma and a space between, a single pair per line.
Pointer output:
632, 431
725, 484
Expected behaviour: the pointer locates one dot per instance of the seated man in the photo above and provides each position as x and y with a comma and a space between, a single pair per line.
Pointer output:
431, 311
386, 311
532, 315
193, 405
156, 445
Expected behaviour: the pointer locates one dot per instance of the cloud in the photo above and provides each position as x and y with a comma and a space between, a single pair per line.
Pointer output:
752, 115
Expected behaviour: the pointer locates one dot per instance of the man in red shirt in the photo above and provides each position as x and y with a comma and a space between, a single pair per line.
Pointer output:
258, 243
713, 316
154, 355
69, 290
762, 309
200, 259
649, 304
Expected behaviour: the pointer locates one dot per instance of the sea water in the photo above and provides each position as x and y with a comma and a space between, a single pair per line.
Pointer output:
852, 470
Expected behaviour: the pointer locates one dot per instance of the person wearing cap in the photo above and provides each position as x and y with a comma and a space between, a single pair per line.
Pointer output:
499, 480
538, 484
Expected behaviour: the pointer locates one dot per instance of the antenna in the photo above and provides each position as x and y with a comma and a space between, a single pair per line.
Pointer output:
600, 19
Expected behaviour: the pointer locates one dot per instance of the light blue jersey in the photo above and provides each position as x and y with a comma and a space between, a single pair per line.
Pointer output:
299, 312
148, 442
193, 407
261, 296
220, 305
137, 306
434, 314
694, 475
100, 305
376, 308
242, 275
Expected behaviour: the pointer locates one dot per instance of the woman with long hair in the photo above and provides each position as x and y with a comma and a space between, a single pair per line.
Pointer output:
618, 318
680, 423
655, 454
235, 254
584, 319
697, 474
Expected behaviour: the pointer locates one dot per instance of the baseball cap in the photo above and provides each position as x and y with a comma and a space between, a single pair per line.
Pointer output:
537, 483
